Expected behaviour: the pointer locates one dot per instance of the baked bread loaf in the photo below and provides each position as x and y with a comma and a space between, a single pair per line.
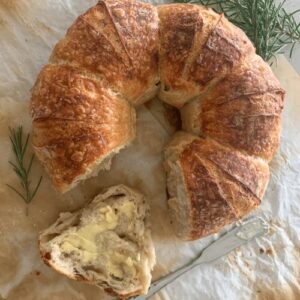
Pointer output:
107, 243
119, 54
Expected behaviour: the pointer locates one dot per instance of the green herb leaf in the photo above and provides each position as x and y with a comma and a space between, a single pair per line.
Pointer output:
23, 173
268, 25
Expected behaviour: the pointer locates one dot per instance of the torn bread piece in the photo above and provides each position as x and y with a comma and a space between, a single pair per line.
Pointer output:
107, 243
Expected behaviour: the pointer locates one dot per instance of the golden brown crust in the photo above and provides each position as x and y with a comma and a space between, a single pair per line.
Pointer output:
64, 92
209, 210
70, 149
222, 185
226, 47
250, 123
69, 158
183, 29
251, 77
248, 172
77, 123
243, 110
179, 25
47, 132
118, 41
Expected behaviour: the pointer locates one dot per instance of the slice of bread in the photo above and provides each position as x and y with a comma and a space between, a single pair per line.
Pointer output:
107, 243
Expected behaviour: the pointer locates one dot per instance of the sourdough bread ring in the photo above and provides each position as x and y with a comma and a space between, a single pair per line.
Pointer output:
120, 54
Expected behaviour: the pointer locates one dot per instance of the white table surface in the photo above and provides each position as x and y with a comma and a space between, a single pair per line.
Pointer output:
292, 5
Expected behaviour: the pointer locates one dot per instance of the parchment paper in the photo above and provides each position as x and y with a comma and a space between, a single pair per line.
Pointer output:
268, 268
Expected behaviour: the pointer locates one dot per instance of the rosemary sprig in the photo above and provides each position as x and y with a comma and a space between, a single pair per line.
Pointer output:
19, 148
268, 25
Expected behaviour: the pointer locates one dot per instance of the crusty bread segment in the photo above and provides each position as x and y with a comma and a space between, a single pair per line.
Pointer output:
107, 243
251, 173
183, 30
226, 48
118, 41
137, 27
72, 151
243, 110
252, 76
78, 124
246, 125
93, 33
68, 93
219, 185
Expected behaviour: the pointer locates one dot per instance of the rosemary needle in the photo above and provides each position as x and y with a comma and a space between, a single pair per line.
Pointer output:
19, 148
268, 25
